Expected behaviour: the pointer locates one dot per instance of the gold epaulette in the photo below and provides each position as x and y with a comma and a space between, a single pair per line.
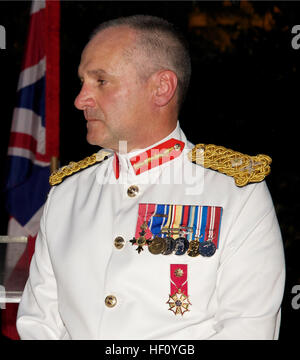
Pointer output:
57, 176
243, 168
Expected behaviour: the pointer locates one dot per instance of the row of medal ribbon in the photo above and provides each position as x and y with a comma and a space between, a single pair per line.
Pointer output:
179, 246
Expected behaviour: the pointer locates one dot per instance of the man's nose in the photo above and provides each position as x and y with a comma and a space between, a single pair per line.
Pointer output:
84, 99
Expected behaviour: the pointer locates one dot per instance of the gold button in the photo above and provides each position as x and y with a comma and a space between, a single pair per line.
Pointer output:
132, 191
177, 147
110, 301
119, 242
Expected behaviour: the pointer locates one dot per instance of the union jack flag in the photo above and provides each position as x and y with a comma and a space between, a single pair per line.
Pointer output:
34, 137
29, 155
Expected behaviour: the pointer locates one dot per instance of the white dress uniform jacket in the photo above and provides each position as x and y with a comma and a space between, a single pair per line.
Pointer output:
234, 294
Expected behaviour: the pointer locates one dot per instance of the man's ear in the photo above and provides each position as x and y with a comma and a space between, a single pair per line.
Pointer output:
165, 84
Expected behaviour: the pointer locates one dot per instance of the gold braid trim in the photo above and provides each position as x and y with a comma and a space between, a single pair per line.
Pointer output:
243, 168
73, 167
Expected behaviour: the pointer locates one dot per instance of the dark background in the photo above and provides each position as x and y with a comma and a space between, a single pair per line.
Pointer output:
243, 95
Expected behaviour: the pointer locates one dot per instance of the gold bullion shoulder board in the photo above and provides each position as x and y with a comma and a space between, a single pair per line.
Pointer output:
73, 167
243, 168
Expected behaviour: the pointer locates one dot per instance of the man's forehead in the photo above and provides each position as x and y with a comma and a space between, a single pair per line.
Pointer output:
108, 46
114, 36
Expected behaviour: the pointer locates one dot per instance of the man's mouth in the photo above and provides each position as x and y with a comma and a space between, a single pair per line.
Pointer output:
92, 115
92, 119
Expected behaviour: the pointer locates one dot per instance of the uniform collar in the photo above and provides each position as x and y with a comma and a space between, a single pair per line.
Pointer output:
139, 161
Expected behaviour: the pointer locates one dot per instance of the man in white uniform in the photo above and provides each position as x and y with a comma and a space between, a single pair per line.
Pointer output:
144, 243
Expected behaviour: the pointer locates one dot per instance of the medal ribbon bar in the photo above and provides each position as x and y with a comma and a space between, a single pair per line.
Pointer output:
197, 222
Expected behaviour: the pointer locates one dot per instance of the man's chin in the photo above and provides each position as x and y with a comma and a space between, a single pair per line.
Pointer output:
93, 141
93, 138
95, 133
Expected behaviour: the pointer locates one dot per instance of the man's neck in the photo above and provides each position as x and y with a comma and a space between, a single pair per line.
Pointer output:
150, 141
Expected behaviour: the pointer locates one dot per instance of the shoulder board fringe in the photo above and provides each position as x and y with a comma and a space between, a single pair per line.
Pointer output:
58, 176
243, 168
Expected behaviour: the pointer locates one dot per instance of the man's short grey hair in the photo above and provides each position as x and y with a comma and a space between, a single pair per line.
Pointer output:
161, 43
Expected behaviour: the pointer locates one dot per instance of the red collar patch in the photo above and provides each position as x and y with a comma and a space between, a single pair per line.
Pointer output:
156, 156
149, 159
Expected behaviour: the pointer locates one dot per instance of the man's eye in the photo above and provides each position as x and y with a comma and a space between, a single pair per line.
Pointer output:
101, 81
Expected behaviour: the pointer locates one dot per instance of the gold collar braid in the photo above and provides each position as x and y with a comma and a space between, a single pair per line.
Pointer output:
243, 168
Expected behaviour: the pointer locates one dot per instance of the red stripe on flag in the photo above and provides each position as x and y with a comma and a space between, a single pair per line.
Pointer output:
42, 157
23, 141
35, 46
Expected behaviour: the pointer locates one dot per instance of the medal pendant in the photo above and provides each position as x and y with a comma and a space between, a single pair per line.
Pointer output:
157, 246
181, 246
193, 249
141, 241
178, 303
207, 248
170, 245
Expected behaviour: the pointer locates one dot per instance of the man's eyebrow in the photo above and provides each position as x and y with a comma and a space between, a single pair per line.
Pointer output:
95, 72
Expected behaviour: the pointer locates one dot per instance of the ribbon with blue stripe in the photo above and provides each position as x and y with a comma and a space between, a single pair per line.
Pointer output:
159, 219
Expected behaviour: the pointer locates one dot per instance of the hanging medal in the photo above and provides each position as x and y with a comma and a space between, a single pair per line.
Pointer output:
177, 221
170, 245
181, 221
194, 224
167, 234
158, 245
193, 249
208, 247
178, 302
181, 244
141, 240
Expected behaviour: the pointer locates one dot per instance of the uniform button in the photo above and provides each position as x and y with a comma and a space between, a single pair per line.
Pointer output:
132, 191
119, 242
177, 147
110, 301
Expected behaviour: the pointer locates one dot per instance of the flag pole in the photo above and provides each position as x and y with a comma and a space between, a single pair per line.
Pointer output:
52, 82
54, 164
